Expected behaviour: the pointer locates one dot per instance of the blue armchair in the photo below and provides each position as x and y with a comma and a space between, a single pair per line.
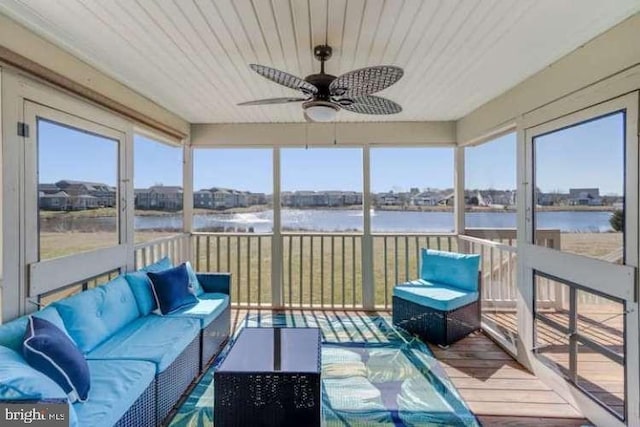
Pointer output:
442, 306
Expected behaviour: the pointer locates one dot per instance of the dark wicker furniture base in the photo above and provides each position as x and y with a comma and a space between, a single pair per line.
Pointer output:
267, 399
264, 383
143, 411
213, 337
173, 381
435, 326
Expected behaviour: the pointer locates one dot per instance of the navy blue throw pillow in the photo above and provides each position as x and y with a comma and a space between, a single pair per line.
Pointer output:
50, 351
171, 289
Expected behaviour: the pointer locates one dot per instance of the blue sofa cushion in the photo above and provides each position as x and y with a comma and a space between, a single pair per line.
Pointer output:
156, 339
93, 316
116, 385
171, 289
160, 265
50, 351
194, 283
206, 310
435, 295
12, 333
454, 269
19, 381
141, 287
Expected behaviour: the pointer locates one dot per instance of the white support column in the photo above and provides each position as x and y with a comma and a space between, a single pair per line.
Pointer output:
127, 198
276, 239
14, 290
459, 203
524, 312
187, 194
368, 283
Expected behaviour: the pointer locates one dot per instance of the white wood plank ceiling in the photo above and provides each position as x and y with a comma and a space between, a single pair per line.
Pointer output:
191, 56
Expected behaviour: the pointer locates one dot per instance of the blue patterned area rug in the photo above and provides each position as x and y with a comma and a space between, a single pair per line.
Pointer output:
372, 375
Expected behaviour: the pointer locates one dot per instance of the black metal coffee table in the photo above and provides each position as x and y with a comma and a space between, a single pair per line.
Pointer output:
270, 377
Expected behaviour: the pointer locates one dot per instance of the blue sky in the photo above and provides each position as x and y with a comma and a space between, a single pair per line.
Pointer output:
566, 159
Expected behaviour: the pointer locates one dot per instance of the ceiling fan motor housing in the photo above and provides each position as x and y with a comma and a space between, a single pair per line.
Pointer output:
322, 82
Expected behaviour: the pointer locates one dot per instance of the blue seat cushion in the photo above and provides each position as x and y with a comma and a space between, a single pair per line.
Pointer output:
93, 316
19, 381
12, 333
435, 295
51, 351
153, 338
116, 385
206, 310
171, 289
454, 269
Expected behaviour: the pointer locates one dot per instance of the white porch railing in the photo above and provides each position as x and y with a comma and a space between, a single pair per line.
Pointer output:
247, 256
176, 247
324, 270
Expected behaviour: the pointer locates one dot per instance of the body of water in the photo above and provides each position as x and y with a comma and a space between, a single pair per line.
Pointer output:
381, 221
342, 220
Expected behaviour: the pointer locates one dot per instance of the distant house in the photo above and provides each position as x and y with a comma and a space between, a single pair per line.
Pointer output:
105, 195
168, 198
203, 199
59, 201
389, 199
585, 197
424, 198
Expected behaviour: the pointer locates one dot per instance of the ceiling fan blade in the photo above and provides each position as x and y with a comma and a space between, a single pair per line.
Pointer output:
365, 81
272, 101
370, 104
284, 79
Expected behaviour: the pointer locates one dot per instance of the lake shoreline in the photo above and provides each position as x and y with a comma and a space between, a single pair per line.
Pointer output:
111, 212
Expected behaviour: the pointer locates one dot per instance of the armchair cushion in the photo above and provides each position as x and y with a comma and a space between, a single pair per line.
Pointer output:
450, 268
435, 295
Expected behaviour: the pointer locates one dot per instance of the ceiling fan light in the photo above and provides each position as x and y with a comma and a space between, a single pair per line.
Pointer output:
319, 111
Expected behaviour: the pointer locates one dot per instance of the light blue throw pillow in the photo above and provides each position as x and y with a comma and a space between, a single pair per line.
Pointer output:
194, 283
450, 268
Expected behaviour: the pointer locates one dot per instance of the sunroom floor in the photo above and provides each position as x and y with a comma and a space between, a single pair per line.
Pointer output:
497, 389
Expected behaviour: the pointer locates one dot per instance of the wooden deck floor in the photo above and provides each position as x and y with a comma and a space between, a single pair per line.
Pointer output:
497, 389
596, 373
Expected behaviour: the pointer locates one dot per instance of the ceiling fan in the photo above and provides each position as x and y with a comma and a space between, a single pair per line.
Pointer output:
325, 95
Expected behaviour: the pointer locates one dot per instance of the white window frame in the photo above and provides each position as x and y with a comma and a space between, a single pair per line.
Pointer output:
587, 272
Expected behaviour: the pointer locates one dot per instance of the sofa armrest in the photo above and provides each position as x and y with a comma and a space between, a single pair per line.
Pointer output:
215, 282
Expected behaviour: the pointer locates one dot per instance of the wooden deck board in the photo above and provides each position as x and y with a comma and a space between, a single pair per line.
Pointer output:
498, 390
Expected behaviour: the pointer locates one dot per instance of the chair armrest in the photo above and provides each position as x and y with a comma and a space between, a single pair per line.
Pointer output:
215, 282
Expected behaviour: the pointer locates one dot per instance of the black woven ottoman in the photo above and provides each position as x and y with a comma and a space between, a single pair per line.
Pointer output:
270, 377
435, 326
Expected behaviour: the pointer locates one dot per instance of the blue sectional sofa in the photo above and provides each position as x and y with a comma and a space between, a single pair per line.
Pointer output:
140, 363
